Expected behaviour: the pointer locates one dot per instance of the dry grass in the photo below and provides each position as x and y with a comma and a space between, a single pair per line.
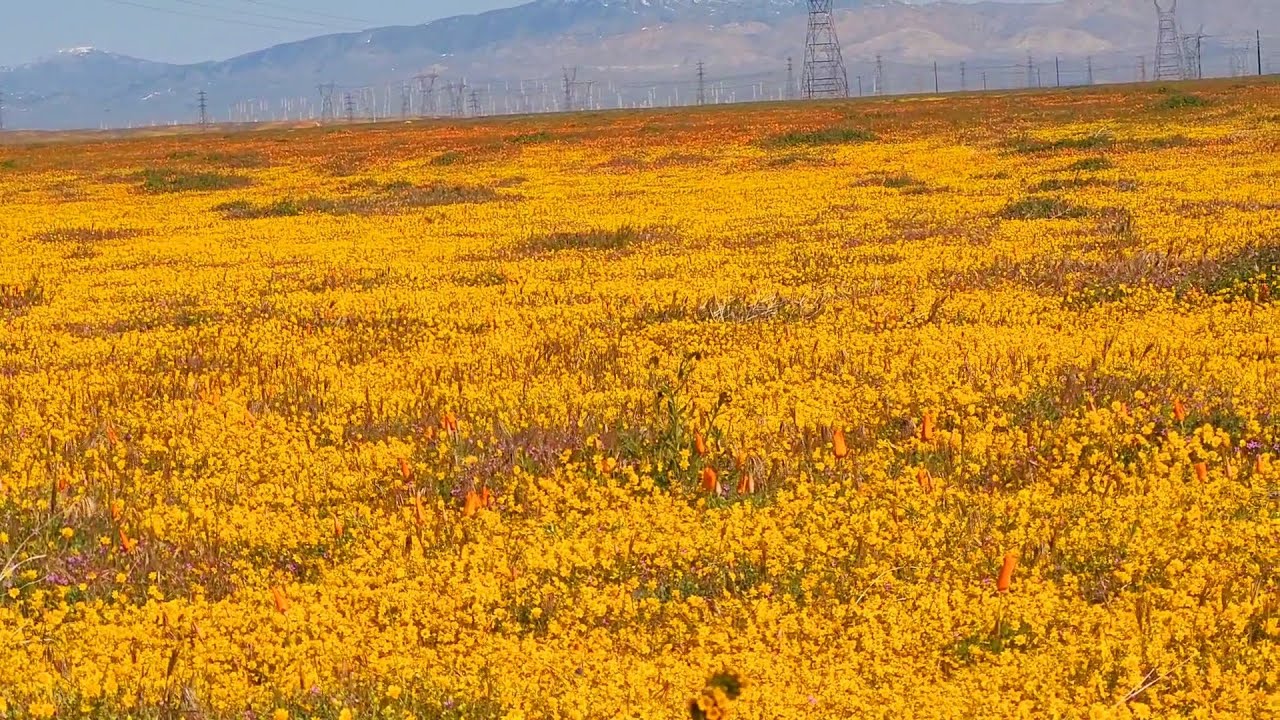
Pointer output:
595, 239
734, 309
84, 235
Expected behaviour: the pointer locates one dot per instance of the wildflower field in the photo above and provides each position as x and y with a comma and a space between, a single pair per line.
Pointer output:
911, 408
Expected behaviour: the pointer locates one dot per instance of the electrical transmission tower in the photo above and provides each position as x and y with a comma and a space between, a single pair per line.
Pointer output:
426, 93
457, 93
349, 102
824, 74
474, 103
406, 101
702, 84
879, 79
791, 81
1170, 64
204, 110
1, 110
327, 111
1192, 46
569, 81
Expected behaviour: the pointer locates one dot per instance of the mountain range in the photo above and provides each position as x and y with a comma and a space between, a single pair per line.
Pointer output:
549, 54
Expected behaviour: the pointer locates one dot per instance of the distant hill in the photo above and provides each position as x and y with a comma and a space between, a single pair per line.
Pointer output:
630, 51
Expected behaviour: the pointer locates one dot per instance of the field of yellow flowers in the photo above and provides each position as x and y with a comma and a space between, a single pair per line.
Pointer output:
913, 408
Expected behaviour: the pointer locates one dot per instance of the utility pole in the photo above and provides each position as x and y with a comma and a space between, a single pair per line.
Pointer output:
984, 79
964, 85
702, 84
824, 73
204, 109
1142, 67
1090, 69
1057, 69
1259, 47
937, 88
1, 110
791, 81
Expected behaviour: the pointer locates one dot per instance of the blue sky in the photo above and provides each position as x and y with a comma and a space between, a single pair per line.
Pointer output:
193, 30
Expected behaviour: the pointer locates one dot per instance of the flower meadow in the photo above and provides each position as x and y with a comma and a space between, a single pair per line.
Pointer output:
911, 408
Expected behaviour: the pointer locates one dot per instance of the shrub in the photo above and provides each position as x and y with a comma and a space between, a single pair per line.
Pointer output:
829, 136
1031, 146
1090, 164
1041, 207
175, 181
1179, 101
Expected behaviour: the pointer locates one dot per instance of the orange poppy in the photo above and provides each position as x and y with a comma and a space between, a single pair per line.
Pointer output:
925, 480
126, 543
710, 480
926, 427
838, 444
1202, 471
472, 504
1179, 411
746, 484
278, 597
405, 470
699, 443
1006, 573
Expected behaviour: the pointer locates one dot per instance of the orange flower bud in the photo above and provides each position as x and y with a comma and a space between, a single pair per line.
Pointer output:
278, 597
699, 443
1179, 411
1202, 471
926, 427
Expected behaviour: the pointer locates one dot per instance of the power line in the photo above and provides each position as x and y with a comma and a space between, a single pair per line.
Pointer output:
292, 8
264, 16
199, 16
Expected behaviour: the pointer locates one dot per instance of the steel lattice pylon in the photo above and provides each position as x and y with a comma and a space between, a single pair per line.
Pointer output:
1170, 62
824, 73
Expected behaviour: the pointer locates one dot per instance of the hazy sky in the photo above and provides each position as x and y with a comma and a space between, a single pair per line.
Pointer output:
193, 30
